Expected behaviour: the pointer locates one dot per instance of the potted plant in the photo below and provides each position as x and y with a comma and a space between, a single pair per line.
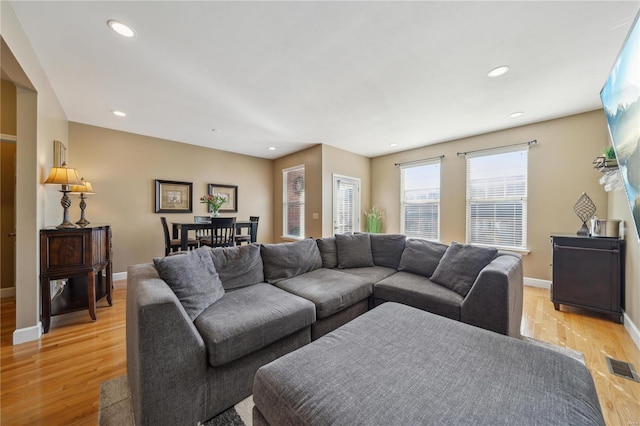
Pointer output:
373, 220
214, 201
609, 154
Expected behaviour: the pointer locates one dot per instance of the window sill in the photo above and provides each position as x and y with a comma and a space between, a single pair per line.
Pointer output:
288, 238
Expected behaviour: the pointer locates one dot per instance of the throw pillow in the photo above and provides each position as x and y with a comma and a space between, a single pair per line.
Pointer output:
239, 266
328, 252
354, 251
193, 279
387, 249
287, 260
421, 256
460, 266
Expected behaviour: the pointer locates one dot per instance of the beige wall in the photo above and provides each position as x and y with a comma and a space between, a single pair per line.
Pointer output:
39, 120
122, 167
341, 162
311, 158
560, 170
619, 209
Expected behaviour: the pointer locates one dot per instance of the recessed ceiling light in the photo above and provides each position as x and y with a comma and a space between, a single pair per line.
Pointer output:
516, 114
393, 144
121, 28
497, 72
119, 113
272, 148
216, 130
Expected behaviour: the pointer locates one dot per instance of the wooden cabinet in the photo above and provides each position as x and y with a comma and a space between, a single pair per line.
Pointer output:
589, 273
82, 256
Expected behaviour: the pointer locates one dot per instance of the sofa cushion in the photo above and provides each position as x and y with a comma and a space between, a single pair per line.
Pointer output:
372, 274
420, 292
354, 250
193, 279
250, 318
460, 266
329, 289
421, 256
387, 249
286, 260
238, 266
328, 252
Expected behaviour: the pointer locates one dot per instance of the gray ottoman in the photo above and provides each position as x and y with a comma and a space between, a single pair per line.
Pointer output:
397, 365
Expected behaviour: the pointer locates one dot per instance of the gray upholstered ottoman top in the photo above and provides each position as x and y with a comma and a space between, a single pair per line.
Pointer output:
403, 366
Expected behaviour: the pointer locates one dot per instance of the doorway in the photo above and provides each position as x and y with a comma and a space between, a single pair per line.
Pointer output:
346, 204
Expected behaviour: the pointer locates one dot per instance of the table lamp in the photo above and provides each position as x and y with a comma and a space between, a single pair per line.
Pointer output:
83, 189
65, 177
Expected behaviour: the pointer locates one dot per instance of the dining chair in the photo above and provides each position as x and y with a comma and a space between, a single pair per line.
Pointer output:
170, 244
223, 230
202, 232
247, 238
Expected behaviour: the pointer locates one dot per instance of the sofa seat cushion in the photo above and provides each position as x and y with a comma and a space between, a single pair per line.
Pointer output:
420, 292
373, 274
250, 318
330, 290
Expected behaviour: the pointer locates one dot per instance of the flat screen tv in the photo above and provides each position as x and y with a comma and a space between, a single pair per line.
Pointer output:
621, 101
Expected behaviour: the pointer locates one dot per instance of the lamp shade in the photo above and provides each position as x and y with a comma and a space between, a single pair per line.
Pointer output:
63, 175
84, 187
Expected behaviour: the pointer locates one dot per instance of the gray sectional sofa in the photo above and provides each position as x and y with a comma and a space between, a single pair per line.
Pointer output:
200, 324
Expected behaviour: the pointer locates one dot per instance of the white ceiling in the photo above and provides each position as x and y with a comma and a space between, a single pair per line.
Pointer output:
355, 75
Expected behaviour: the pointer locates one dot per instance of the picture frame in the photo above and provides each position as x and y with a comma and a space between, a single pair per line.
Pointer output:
59, 154
621, 102
173, 196
229, 191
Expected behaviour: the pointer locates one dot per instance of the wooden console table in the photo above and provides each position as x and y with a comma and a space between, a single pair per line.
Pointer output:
79, 255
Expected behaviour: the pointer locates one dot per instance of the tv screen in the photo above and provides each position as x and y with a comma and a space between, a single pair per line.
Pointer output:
621, 101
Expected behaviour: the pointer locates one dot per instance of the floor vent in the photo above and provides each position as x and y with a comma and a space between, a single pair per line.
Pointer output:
622, 369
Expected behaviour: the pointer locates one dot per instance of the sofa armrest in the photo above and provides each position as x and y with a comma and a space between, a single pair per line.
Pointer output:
166, 356
495, 299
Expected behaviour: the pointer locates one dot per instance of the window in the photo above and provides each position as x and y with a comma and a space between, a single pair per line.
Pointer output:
293, 202
346, 204
420, 204
497, 198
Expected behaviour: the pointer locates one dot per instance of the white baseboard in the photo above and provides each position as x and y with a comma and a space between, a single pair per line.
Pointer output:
535, 282
7, 292
632, 329
119, 276
27, 334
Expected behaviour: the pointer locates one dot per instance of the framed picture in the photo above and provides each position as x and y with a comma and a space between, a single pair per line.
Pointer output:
230, 192
59, 154
174, 197
621, 101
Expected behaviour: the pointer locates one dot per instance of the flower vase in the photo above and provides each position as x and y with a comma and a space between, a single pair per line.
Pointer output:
215, 213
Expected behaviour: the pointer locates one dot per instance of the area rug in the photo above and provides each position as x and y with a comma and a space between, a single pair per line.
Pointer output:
115, 407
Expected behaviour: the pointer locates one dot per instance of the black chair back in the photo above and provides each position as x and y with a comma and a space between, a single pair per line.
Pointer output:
223, 230
202, 232
167, 238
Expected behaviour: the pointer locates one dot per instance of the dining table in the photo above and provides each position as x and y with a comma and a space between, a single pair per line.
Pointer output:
181, 230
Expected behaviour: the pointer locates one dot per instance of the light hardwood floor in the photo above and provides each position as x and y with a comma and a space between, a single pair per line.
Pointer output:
56, 380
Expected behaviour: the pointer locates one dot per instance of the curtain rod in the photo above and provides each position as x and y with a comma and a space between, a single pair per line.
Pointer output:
533, 142
439, 157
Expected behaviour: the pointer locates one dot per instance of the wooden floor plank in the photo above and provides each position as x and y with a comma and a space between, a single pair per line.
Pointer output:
56, 380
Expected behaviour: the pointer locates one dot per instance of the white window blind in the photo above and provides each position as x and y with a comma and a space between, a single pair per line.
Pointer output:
497, 198
346, 204
293, 202
420, 204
